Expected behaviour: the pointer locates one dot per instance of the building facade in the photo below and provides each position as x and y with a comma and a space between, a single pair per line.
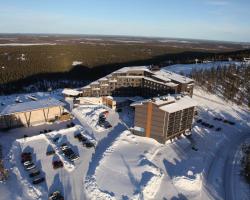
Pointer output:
139, 81
163, 118
30, 113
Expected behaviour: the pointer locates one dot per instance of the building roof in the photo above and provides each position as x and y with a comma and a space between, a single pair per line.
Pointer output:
173, 76
180, 103
169, 103
135, 68
30, 106
71, 92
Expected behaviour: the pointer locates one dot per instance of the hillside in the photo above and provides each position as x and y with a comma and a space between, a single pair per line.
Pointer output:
59, 59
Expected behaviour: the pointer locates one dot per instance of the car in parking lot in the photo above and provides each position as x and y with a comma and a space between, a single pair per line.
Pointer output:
88, 144
56, 196
26, 156
29, 166
38, 180
69, 153
57, 164
50, 152
34, 173
80, 137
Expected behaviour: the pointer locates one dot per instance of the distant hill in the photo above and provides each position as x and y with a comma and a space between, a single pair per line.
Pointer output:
27, 59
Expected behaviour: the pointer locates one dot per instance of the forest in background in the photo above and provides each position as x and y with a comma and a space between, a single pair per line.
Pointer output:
231, 82
51, 65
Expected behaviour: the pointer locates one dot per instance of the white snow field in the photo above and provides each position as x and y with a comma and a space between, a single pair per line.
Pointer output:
187, 68
124, 166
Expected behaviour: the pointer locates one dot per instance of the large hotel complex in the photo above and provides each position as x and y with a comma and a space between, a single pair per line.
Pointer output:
139, 81
169, 110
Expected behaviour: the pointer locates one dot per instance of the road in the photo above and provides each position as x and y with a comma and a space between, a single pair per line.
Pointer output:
221, 177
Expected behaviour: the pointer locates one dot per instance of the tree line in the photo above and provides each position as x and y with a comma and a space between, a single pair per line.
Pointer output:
232, 82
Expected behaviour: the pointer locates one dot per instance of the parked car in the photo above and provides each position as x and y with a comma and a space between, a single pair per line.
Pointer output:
56, 139
218, 129
199, 121
107, 125
29, 166
26, 157
50, 152
38, 180
89, 144
81, 138
26, 163
56, 196
57, 164
74, 157
34, 173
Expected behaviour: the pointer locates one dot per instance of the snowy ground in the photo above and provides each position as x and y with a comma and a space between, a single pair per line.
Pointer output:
125, 166
187, 68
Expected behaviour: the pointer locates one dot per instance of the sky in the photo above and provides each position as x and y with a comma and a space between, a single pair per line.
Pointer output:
227, 20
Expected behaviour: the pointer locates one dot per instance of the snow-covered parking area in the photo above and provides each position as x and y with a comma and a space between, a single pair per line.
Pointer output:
62, 179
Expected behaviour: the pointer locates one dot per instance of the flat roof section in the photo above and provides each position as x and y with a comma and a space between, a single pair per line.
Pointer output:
30, 106
173, 76
181, 104
71, 92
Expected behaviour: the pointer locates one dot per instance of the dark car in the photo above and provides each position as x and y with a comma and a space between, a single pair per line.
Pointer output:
218, 129
38, 180
50, 152
74, 157
231, 123
56, 196
89, 144
56, 139
82, 138
107, 125
25, 154
211, 126
34, 173
199, 121
57, 164
26, 157
77, 135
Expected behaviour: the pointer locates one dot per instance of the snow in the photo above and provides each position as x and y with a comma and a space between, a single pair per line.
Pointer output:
182, 103
74, 63
32, 105
125, 166
26, 44
70, 92
168, 75
187, 68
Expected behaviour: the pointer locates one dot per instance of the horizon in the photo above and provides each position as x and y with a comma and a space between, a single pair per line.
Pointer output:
126, 36
213, 20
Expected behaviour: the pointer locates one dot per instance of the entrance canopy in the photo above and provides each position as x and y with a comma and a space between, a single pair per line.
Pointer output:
30, 106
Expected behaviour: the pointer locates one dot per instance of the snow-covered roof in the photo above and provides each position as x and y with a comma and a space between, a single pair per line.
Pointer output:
135, 68
169, 103
179, 104
71, 92
30, 106
173, 76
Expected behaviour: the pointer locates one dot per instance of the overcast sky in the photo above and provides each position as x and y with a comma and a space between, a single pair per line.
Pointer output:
199, 19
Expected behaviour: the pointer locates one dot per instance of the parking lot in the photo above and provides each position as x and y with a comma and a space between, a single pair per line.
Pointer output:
43, 162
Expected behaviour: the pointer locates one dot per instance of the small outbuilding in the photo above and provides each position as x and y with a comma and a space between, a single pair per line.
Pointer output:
31, 113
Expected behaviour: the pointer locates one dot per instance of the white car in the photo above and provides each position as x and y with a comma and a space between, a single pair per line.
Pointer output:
30, 166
